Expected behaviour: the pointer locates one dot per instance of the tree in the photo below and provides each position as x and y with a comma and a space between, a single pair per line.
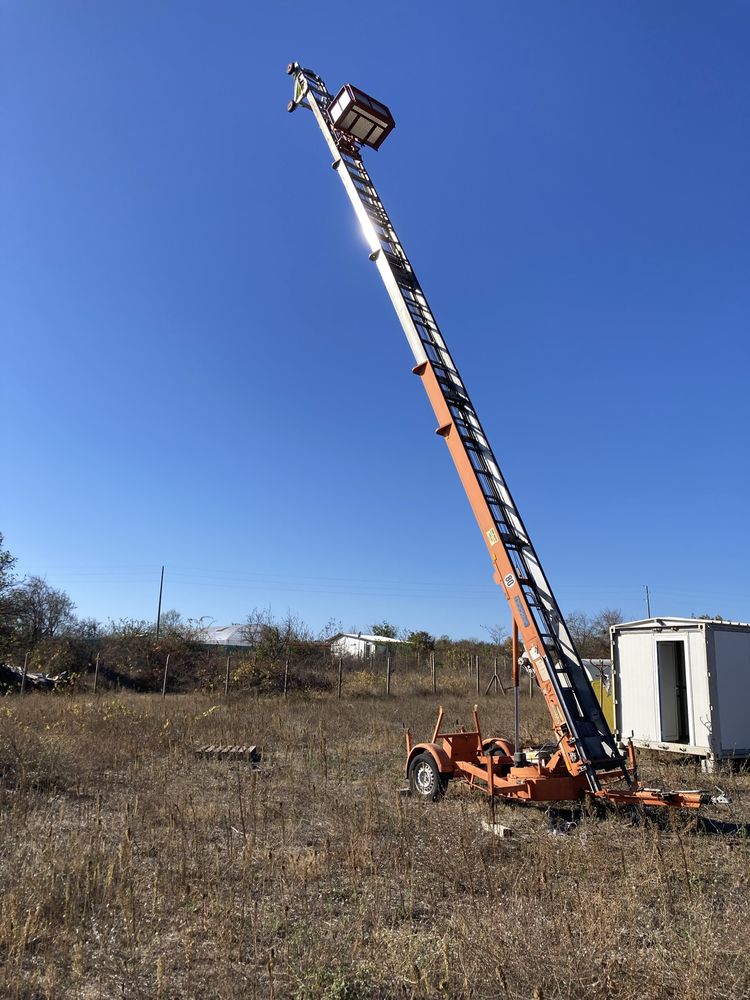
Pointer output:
332, 627
40, 611
497, 634
422, 641
7, 562
7, 582
86, 628
385, 629
582, 631
274, 639
173, 624
590, 633
604, 620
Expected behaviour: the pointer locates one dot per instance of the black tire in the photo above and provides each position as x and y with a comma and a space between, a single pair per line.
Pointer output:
425, 781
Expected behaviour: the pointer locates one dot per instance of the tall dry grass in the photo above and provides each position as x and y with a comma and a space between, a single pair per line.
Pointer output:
131, 868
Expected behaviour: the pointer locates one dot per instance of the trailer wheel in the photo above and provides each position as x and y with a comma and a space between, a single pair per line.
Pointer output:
424, 778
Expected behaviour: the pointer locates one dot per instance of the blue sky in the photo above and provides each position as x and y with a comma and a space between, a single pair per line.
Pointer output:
200, 367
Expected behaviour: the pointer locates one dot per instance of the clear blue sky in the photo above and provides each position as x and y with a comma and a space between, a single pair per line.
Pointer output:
200, 367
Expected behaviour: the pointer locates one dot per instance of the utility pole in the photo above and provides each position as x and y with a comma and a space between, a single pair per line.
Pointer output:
158, 612
648, 603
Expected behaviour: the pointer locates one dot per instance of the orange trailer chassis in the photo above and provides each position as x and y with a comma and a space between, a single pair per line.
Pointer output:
488, 765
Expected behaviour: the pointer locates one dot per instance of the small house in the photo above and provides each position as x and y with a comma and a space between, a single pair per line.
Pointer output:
683, 685
356, 644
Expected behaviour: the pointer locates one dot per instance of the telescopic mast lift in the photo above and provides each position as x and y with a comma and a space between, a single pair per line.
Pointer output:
586, 759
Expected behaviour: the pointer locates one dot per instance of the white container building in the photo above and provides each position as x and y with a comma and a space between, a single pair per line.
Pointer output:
683, 685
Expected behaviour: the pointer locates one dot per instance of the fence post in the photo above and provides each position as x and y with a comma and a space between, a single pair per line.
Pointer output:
96, 673
166, 671
340, 678
388, 674
23, 675
226, 675
286, 677
434, 678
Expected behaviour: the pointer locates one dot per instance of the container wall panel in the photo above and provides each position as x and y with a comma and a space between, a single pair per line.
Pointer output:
732, 656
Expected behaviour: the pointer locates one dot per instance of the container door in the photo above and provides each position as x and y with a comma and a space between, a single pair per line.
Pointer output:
673, 693
637, 706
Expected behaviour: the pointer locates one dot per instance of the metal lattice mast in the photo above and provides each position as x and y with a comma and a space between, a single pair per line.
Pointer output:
583, 733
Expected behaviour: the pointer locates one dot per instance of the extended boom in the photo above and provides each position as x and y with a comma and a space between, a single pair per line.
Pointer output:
586, 749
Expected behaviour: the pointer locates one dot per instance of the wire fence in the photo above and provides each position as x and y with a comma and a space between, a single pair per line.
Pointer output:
446, 672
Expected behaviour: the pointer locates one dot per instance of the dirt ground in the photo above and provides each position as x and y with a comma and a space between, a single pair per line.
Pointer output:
132, 868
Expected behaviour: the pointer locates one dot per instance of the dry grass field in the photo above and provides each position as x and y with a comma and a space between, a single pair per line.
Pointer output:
132, 868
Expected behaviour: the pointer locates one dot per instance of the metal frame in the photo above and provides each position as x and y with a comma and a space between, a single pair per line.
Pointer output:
688, 668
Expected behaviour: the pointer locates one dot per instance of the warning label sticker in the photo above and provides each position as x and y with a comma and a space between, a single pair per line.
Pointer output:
522, 612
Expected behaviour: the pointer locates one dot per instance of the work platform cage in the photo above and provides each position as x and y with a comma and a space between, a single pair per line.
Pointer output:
683, 685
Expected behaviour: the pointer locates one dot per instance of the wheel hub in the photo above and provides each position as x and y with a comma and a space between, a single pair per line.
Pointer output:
424, 778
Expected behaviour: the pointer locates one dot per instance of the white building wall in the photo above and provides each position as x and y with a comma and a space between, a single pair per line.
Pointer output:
348, 646
363, 646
